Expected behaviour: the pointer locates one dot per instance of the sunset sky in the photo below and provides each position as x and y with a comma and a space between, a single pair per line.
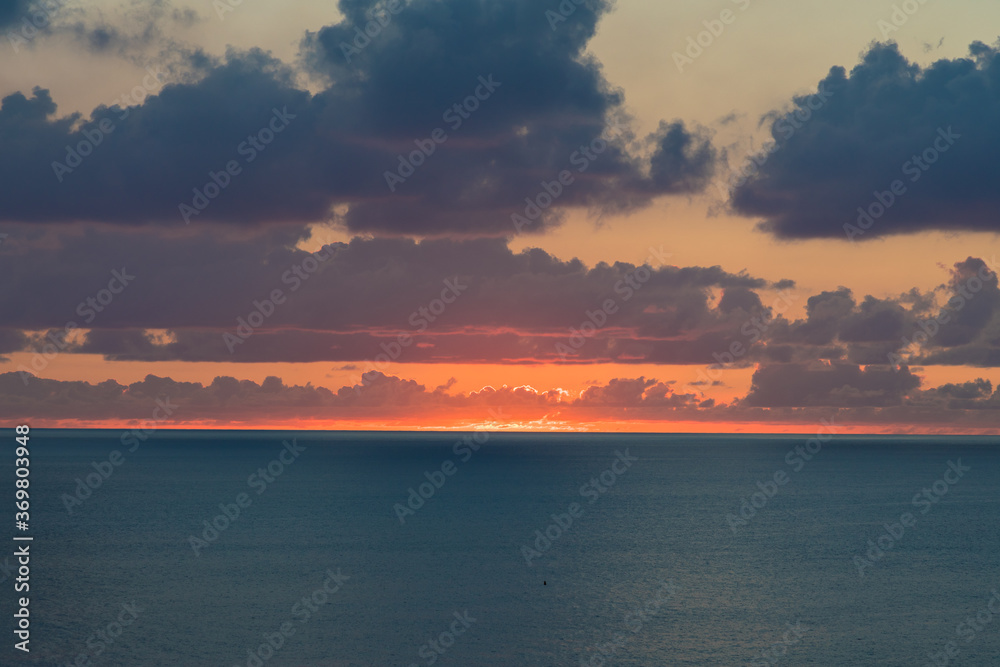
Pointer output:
726, 216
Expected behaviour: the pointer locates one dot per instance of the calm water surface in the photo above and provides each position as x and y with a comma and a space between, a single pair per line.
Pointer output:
657, 567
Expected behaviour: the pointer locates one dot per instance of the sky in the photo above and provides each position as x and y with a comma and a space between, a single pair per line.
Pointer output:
727, 216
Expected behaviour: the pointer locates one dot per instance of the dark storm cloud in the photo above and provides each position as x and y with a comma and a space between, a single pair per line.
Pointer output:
933, 131
517, 105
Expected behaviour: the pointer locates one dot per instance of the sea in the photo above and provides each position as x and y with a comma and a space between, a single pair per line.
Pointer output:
338, 549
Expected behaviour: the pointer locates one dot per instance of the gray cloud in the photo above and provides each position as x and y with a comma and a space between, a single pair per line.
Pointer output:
541, 114
836, 385
510, 306
873, 130
386, 399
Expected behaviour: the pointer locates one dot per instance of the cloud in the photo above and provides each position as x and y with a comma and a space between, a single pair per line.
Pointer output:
957, 324
379, 397
966, 330
837, 327
933, 129
11, 340
12, 11
975, 395
132, 31
520, 106
978, 388
153, 156
835, 385
384, 399
635, 393
137, 31
358, 299
194, 286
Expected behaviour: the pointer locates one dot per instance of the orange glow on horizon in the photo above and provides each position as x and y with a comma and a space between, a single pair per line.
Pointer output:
543, 425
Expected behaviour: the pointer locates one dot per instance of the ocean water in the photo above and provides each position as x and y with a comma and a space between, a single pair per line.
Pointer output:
655, 564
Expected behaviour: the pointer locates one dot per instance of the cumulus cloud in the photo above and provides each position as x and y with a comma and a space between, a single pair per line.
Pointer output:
517, 105
966, 330
977, 395
835, 385
933, 129
956, 324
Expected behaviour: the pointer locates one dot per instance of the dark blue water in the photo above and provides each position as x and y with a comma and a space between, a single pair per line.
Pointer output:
653, 565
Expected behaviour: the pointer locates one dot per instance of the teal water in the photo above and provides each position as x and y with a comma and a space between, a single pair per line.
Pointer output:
657, 566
